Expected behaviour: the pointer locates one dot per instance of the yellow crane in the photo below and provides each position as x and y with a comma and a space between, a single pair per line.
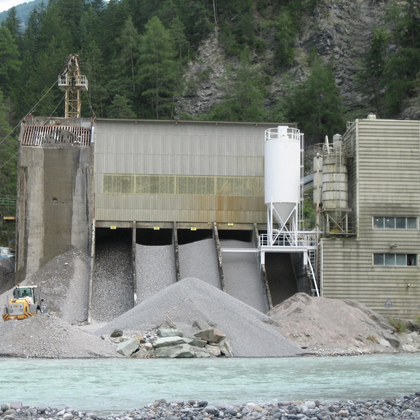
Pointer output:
72, 83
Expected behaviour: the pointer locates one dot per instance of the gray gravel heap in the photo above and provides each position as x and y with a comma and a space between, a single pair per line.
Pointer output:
7, 275
113, 280
250, 332
47, 336
242, 275
199, 260
155, 270
406, 407
64, 285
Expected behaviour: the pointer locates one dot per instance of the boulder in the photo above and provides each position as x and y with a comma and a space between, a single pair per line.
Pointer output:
128, 347
116, 333
217, 336
169, 341
16, 405
207, 335
225, 348
179, 351
144, 353
213, 350
198, 343
201, 325
169, 332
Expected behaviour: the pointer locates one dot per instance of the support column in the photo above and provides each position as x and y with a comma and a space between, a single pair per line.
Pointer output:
263, 272
219, 256
176, 252
133, 262
92, 271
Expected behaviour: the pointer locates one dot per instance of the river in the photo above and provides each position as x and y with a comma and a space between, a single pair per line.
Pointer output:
115, 385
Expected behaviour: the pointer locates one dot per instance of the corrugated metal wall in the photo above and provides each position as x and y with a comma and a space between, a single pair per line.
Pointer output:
384, 180
184, 171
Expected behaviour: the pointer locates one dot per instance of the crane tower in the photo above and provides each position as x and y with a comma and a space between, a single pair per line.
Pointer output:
72, 83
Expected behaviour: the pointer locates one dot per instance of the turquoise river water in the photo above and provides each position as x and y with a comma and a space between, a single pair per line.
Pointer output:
115, 385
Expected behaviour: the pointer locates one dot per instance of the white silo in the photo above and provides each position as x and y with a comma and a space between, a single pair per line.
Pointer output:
282, 171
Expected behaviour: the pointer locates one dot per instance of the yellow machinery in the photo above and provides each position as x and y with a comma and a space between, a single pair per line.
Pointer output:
25, 303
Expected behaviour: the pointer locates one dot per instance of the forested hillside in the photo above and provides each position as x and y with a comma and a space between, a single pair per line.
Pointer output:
316, 62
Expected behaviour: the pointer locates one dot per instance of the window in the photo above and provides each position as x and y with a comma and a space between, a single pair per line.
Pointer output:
380, 222
400, 260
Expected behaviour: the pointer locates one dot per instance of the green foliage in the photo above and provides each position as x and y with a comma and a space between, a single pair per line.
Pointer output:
286, 36
371, 74
245, 96
158, 72
9, 61
316, 105
398, 324
8, 155
120, 108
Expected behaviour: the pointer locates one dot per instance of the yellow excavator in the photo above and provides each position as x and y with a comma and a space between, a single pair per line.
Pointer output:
25, 303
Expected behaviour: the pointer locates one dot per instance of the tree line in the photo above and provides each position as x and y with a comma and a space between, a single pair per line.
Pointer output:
134, 54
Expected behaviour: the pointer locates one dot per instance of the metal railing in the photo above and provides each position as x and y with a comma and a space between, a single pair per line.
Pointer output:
300, 240
275, 133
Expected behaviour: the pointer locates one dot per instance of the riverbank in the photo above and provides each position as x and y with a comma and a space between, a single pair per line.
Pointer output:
407, 407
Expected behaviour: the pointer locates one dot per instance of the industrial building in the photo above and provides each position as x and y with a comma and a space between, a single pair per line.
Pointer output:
371, 243
85, 182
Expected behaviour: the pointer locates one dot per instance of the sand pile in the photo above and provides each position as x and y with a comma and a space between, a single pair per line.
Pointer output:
251, 333
64, 285
47, 336
332, 326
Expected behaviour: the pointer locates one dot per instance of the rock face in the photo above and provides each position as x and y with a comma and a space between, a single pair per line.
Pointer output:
338, 30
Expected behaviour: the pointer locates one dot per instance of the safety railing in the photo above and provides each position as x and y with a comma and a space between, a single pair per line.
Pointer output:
301, 239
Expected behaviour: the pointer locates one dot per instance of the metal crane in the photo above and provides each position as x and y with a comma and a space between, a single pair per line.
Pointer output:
72, 82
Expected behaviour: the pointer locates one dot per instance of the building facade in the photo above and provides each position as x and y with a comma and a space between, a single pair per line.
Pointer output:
376, 261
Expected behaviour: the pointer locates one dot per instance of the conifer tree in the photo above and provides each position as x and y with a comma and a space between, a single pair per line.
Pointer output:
159, 72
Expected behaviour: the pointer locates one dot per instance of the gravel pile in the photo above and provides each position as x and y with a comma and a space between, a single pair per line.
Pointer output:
64, 285
7, 275
335, 327
391, 408
189, 300
113, 282
199, 260
47, 336
242, 275
155, 270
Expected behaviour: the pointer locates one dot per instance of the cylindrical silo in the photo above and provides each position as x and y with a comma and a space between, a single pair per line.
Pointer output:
282, 169
335, 181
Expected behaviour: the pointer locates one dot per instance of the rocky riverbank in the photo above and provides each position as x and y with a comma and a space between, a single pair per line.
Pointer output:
407, 407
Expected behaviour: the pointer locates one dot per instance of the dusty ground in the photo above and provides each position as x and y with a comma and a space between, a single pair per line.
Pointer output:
338, 327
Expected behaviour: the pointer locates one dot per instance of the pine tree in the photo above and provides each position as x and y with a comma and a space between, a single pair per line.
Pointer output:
159, 72
371, 74
10, 63
129, 45
120, 108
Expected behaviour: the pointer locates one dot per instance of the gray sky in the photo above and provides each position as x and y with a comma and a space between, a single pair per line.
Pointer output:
7, 4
